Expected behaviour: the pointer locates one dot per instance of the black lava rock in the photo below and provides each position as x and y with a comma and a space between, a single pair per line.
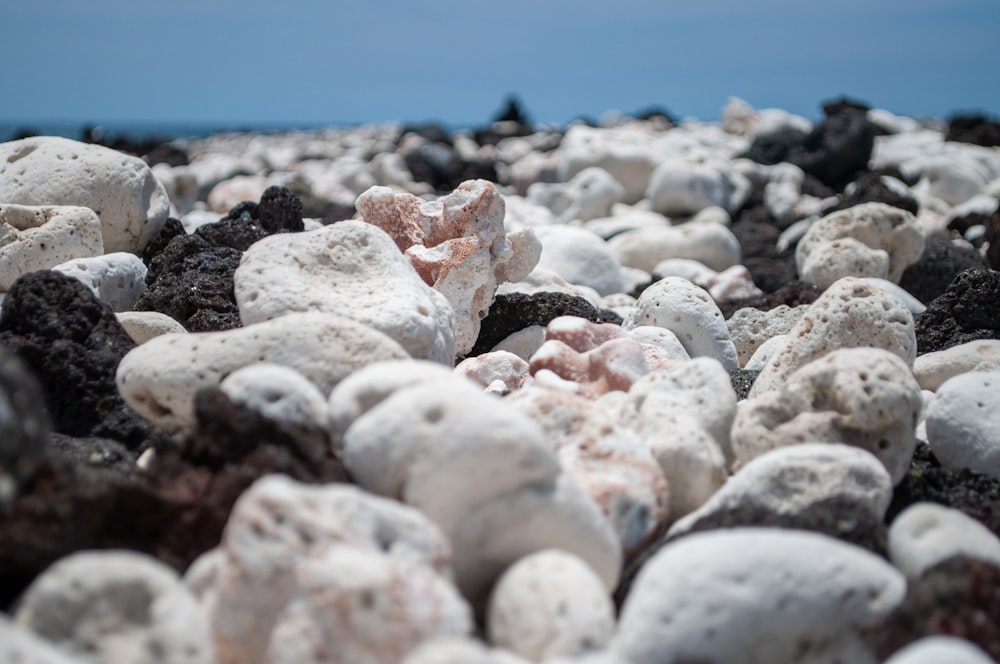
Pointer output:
869, 187
280, 211
73, 344
958, 597
743, 380
238, 233
993, 237
774, 147
975, 128
191, 281
512, 111
516, 311
171, 229
166, 153
837, 148
24, 427
968, 310
792, 294
975, 494
844, 104
758, 235
937, 267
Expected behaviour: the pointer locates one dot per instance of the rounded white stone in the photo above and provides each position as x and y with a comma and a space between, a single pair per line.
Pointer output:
940, 649
963, 422
933, 369
41, 237
145, 325
709, 243
19, 644
580, 257
277, 392
926, 534
118, 278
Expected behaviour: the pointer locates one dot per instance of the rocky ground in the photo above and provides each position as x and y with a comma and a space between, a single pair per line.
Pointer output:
649, 391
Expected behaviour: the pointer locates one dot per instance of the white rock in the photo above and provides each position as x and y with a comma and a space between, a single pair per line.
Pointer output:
21, 645
689, 312
541, 280
47, 170
708, 243
588, 195
38, 238
144, 325
550, 604
351, 269
926, 534
867, 240
849, 314
181, 186
624, 152
718, 597
668, 346
762, 355
195, 219
865, 397
580, 257
750, 328
682, 187
160, 378
915, 306
484, 370
963, 422
933, 369
458, 651
625, 219
117, 606
733, 283
277, 392
523, 343
229, 193
940, 649
791, 480
118, 278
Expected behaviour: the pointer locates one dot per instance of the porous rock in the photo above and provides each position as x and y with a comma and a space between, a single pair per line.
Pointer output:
963, 422
750, 328
697, 601
865, 397
926, 534
550, 604
160, 378
122, 190
965, 312
118, 278
24, 425
278, 393
849, 314
117, 606
38, 238
351, 269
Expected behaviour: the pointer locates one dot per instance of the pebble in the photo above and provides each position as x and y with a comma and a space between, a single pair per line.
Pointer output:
121, 190
588, 195
277, 392
938, 649
580, 257
750, 328
350, 269
963, 422
41, 237
926, 534
680, 187
117, 278
510, 370
709, 243
19, 644
716, 596
734, 283
144, 325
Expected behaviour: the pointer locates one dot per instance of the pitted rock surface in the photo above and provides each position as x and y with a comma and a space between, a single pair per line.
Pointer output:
965, 312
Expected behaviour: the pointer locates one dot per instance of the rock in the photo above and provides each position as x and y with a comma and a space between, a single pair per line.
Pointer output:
750, 328
915, 306
709, 243
733, 283
965, 312
238, 231
742, 380
791, 295
696, 600
233, 191
351, 269
849, 314
962, 422
926, 534
973, 128
142, 326
278, 211
771, 267
18, 644
835, 489
159, 379
192, 282
512, 371
836, 149
934, 649
878, 187
24, 425
47, 170
868, 240
279, 393
623, 152
171, 229
610, 462
38, 238
689, 312
588, 195
117, 606
932, 369
118, 279
865, 397
458, 651
580, 257
73, 344
613, 365
680, 187
550, 604
457, 245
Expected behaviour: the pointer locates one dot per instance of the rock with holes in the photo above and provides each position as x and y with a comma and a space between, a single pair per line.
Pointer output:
717, 597
613, 464
580, 257
733, 283
121, 190
160, 378
933, 369
865, 397
849, 314
279, 393
38, 238
266, 581
867, 240
938, 649
791, 484
144, 325
550, 604
498, 371
351, 269
118, 278
963, 422
117, 606
709, 243
751, 328
457, 245
19, 644
926, 534
689, 312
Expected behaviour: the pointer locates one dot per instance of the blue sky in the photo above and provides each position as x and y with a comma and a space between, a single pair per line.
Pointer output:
307, 62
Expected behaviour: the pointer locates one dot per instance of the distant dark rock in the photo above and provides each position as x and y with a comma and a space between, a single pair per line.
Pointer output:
937, 267
837, 148
974, 128
993, 237
431, 131
963, 223
844, 104
869, 187
968, 310
166, 153
652, 112
73, 343
758, 235
278, 211
774, 147
439, 165
512, 111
